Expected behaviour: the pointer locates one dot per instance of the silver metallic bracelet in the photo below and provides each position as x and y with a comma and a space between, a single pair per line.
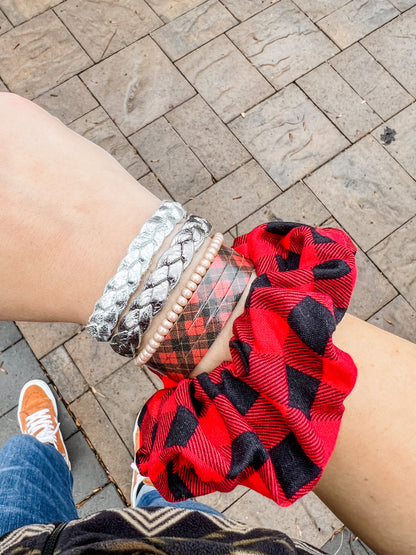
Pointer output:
162, 281
122, 285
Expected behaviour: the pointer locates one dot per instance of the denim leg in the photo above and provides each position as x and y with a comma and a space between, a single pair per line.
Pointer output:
35, 485
148, 496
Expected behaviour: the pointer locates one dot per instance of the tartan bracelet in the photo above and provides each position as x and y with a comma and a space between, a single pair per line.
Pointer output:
204, 316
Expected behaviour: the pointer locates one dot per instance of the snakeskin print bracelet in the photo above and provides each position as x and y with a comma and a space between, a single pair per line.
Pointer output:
186, 293
158, 286
122, 285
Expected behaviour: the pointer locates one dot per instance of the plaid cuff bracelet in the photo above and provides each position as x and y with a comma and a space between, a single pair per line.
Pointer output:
204, 316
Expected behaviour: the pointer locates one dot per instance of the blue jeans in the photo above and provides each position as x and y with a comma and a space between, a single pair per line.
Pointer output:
36, 487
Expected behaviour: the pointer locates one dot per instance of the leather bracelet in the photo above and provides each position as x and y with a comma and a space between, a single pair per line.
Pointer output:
153, 344
134, 265
159, 285
204, 316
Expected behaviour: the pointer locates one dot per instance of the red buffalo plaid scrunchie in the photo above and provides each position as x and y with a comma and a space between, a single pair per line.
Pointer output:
269, 419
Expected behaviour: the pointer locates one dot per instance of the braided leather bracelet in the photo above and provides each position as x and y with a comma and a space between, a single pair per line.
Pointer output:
162, 281
187, 292
122, 285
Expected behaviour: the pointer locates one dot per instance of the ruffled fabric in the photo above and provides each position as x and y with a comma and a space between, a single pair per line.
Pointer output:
269, 419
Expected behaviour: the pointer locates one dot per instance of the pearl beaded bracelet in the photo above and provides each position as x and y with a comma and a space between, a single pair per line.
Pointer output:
169, 321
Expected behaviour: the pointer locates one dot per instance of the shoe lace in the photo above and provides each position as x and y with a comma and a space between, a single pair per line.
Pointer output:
40, 425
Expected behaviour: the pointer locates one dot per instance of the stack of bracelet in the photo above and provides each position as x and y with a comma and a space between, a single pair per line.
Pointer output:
124, 331
187, 292
127, 308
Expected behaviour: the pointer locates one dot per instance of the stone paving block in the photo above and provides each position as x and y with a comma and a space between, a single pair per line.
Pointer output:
9, 334
107, 498
371, 81
346, 543
3, 87
297, 204
137, 85
174, 163
397, 317
357, 19
43, 337
168, 10
224, 78
297, 521
317, 9
234, 197
38, 55
19, 11
103, 28
98, 128
221, 501
228, 238
66, 376
68, 101
288, 136
372, 290
4, 24
67, 424
184, 34
156, 381
343, 106
403, 5
9, 427
323, 518
86, 470
243, 9
105, 439
21, 366
396, 256
282, 43
366, 191
398, 137
208, 137
394, 46
122, 395
95, 360
151, 183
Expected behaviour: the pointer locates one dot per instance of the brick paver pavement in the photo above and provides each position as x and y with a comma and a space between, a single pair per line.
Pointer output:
245, 111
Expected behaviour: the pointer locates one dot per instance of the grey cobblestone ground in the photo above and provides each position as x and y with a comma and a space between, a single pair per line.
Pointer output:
245, 111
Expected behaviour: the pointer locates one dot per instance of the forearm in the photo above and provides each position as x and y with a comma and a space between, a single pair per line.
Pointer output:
369, 481
69, 212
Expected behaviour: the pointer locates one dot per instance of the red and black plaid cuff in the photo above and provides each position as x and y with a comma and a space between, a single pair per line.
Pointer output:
204, 316
270, 418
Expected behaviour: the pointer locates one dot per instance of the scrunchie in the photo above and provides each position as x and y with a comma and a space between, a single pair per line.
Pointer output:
269, 419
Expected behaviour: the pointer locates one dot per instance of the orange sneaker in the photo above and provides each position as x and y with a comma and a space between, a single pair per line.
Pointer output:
137, 481
38, 416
